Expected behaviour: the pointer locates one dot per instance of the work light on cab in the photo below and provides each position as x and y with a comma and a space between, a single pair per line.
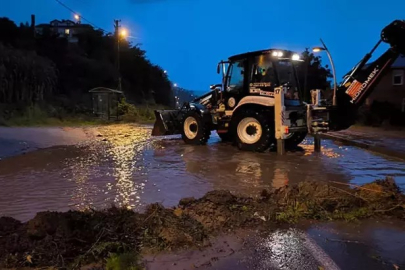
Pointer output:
295, 57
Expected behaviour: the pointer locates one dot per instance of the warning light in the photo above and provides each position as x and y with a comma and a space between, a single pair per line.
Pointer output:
286, 130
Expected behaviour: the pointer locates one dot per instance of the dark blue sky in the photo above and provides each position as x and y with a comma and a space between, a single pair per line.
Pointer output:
189, 37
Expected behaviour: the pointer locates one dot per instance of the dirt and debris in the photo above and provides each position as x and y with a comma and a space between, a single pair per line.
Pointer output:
73, 239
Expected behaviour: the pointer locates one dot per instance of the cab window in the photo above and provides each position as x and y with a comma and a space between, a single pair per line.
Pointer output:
235, 76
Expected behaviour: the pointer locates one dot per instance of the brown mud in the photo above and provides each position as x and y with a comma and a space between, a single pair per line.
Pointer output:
73, 239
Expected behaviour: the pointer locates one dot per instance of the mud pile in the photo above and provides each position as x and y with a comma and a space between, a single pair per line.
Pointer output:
74, 238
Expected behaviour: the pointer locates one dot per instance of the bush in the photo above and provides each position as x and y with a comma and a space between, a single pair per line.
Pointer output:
132, 113
43, 115
379, 113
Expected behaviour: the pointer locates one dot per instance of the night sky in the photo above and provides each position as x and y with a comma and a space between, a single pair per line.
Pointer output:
189, 37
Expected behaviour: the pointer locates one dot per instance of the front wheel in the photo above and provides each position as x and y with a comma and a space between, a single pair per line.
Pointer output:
194, 131
295, 139
254, 131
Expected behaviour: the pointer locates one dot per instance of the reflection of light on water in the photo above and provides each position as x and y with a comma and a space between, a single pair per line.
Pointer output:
251, 168
280, 178
308, 147
82, 197
125, 146
249, 165
292, 249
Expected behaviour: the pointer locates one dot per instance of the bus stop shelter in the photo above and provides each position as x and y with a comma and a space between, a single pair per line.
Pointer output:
105, 102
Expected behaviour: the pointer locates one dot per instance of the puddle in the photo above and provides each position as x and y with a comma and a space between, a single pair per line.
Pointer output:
127, 167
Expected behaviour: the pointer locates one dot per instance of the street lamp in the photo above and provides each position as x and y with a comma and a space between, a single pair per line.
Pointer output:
123, 33
77, 18
324, 48
175, 85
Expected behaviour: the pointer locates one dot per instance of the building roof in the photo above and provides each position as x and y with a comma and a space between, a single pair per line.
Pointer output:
399, 63
64, 24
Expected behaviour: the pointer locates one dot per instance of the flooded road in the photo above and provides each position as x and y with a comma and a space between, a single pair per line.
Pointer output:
123, 165
369, 245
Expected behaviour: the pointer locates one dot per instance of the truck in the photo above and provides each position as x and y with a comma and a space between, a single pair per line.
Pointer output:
257, 103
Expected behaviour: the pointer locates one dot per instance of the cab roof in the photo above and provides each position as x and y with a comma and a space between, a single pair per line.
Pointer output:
286, 54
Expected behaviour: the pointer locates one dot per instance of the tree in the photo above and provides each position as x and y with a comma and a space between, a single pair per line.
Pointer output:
25, 77
312, 75
48, 67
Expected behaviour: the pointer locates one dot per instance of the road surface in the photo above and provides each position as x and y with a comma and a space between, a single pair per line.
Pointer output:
63, 169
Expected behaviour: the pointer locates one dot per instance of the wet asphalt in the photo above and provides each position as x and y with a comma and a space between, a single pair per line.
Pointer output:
124, 166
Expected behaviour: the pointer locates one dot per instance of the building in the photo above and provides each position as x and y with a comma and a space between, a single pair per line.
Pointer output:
64, 28
391, 87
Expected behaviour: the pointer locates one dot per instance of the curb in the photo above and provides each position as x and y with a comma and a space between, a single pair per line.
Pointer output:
370, 147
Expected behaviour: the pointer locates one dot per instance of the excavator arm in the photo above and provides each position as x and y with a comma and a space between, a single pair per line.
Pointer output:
359, 83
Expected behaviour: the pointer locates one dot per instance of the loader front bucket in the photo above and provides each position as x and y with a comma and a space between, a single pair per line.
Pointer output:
168, 122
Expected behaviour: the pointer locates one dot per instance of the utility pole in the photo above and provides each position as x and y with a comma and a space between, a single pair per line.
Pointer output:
117, 37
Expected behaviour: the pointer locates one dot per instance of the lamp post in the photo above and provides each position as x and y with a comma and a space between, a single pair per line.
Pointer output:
324, 48
119, 33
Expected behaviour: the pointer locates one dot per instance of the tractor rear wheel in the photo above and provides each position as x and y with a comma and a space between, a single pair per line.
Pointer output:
295, 139
194, 130
254, 131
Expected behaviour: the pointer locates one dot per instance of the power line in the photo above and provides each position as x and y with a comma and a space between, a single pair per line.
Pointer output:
81, 17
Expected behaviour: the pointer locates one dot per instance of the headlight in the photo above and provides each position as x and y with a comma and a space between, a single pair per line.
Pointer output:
295, 57
277, 53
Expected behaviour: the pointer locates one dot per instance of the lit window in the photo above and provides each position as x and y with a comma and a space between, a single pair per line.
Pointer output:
398, 77
67, 31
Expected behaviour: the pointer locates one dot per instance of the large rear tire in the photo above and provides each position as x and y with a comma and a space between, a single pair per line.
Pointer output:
254, 130
194, 130
295, 139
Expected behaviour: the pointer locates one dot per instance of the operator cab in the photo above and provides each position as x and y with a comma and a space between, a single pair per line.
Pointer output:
258, 73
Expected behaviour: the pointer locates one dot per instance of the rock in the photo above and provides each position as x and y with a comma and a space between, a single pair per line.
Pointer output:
187, 201
265, 194
42, 224
178, 212
221, 219
8, 225
220, 197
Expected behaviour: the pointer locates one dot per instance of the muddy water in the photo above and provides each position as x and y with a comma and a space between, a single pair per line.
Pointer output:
125, 166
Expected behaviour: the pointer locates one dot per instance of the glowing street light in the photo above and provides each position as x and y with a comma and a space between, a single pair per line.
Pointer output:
123, 33
175, 85
165, 71
324, 48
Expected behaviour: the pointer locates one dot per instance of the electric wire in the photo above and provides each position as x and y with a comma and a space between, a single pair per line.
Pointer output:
81, 17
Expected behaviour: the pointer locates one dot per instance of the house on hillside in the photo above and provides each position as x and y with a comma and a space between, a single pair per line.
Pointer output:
65, 28
391, 88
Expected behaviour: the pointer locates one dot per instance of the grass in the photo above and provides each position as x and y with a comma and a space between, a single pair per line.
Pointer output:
128, 261
35, 116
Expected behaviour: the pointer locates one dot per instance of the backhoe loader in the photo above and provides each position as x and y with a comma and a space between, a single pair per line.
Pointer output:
242, 108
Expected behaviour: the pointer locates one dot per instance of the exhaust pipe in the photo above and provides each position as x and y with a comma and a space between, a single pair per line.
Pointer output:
168, 122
